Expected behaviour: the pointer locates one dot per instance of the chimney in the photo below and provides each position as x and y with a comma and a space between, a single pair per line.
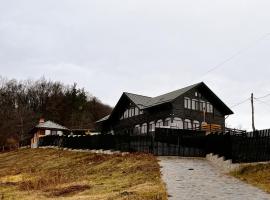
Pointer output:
41, 120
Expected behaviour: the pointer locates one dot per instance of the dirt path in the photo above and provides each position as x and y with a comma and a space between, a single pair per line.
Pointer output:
196, 179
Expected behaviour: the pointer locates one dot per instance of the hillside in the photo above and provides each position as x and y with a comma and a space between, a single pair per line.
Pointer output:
56, 174
255, 174
23, 103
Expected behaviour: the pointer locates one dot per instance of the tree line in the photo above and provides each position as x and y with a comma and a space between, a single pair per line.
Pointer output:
23, 103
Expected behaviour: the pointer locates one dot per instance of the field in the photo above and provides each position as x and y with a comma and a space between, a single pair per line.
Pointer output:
56, 174
257, 175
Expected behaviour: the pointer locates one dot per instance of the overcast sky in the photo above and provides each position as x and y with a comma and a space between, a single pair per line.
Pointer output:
148, 47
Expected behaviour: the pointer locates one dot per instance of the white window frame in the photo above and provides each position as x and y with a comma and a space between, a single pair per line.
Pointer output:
136, 111
202, 105
187, 103
159, 123
209, 107
178, 123
188, 124
195, 104
167, 121
137, 129
152, 126
196, 125
144, 128
126, 114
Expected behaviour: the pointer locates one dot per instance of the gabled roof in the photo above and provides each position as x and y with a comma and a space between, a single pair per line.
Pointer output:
51, 125
144, 102
168, 97
140, 100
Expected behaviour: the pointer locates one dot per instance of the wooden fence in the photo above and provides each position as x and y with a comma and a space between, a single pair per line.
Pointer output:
239, 147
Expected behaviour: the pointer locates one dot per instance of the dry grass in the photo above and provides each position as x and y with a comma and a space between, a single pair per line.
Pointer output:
55, 174
257, 175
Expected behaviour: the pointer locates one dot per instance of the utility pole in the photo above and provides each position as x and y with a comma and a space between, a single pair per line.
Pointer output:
252, 107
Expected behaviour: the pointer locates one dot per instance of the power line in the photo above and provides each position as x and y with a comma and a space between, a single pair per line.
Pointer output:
265, 103
236, 54
262, 97
240, 103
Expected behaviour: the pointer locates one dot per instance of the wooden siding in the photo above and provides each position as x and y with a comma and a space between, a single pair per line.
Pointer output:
172, 109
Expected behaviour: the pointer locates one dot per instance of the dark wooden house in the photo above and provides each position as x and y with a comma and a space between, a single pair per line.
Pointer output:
194, 107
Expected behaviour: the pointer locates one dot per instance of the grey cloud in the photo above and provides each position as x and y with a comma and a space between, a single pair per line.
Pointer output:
148, 47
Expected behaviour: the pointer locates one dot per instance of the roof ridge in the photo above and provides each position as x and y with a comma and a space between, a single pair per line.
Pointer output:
137, 94
170, 96
193, 85
50, 121
53, 122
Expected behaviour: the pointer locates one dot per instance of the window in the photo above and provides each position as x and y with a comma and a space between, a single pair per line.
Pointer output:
130, 112
167, 122
187, 103
152, 126
202, 106
178, 123
187, 124
159, 123
196, 125
136, 111
195, 104
60, 133
144, 128
137, 129
209, 107
126, 114
47, 132
53, 132
197, 94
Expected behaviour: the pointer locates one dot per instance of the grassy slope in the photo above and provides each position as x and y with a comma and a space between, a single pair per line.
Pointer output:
257, 175
56, 174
